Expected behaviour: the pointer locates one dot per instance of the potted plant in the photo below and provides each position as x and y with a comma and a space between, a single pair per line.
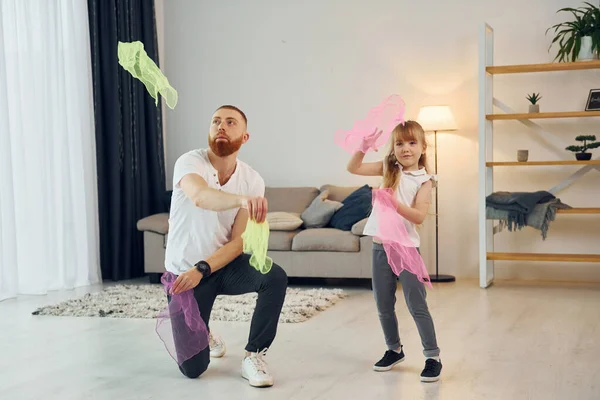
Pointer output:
581, 151
533, 98
578, 40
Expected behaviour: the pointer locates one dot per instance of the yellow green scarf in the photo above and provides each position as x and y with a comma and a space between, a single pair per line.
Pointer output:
256, 242
135, 60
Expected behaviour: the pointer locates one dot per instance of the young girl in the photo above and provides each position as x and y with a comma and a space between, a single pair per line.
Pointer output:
404, 170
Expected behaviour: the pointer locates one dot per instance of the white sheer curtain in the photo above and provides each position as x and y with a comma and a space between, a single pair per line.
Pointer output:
48, 199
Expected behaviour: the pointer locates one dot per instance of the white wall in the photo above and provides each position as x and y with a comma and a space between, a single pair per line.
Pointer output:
302, 70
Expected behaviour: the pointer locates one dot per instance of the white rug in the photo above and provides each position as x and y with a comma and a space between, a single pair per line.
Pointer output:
146, 301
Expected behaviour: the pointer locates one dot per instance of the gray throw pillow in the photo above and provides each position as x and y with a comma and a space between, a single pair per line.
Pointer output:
319, 212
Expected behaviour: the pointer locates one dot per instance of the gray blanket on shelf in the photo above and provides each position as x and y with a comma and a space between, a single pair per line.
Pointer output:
519, 209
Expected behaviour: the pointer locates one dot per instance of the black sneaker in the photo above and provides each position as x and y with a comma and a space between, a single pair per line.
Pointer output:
389, 359
432, 370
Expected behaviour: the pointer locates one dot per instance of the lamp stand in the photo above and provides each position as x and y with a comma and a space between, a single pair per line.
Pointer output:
437, 277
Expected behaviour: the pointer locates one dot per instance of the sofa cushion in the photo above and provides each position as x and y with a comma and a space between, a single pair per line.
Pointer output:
357, 206
283, 221
158, 223
359, 227
320, 211
325, 239
338, 193
290, 199
281, 240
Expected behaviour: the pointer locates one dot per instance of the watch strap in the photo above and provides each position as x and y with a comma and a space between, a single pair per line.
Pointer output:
204, 268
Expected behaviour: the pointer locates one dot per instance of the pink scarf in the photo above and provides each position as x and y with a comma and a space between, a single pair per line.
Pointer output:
401, 252
385, 117
181, 318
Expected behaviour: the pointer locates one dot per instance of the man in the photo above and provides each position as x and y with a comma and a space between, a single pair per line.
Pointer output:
214, 194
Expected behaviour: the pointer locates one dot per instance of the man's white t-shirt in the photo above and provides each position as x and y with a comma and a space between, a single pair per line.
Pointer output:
195, 233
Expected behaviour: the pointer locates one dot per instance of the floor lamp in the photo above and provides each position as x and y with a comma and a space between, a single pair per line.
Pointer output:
437, 119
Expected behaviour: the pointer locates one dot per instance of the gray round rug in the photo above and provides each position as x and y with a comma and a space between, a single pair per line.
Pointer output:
146, 301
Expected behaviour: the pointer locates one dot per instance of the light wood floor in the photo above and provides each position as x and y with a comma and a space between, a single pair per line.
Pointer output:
511, 341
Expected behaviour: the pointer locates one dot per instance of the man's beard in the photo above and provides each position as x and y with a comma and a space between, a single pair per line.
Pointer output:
224, 148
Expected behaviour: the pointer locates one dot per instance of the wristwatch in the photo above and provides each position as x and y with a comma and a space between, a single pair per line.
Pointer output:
203, 267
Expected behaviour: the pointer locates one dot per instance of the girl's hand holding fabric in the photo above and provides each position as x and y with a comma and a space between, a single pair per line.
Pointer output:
385, 116
368, 142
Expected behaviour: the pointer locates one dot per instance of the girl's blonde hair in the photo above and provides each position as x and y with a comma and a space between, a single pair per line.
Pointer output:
409, 130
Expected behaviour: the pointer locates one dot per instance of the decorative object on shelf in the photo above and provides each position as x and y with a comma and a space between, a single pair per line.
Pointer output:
534, 98
586, 52
437, 118
579, 39
581, 151
522, 155
593, 101
516, 210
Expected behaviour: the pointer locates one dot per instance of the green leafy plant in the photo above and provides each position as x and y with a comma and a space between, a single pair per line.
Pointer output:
534, 98
586, 146
569, 34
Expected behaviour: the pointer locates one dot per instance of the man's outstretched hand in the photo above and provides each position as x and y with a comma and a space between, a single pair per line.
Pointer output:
257, 208
186, 281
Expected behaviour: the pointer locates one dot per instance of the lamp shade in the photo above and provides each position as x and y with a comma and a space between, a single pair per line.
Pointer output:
437, 118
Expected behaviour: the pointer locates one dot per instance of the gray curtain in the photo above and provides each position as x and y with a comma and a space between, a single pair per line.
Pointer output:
129, 140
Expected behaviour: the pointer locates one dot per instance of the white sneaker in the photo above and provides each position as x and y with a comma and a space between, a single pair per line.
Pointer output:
217, 346
254, 369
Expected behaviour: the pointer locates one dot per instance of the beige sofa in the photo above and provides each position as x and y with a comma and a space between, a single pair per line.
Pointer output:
301, 252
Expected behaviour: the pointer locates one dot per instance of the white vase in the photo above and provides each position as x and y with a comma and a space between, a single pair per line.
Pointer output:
585, 51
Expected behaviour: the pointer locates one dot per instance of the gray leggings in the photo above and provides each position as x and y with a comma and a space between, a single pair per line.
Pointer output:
384, 288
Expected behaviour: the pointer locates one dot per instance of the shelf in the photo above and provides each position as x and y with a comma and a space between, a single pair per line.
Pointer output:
578, 211
543, 115
492, 109
549, 67
538, 163
543, 257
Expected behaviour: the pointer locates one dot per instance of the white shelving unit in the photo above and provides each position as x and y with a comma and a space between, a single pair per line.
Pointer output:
487, 102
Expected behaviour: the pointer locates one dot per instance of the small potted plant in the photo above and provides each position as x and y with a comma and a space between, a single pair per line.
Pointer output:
533, 98
581, 151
